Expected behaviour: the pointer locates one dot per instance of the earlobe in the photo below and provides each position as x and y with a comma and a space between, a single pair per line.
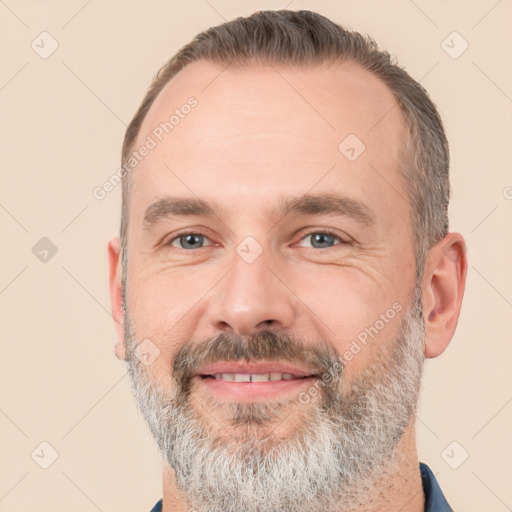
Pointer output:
116, 300
442, 290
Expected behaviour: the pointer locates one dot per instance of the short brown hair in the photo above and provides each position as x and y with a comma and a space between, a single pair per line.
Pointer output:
306, 38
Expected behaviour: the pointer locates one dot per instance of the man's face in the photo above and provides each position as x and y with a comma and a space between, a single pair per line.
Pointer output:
251, 304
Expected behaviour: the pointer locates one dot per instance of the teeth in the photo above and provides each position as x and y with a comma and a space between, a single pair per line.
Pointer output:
260, 377
255, 377
242, 377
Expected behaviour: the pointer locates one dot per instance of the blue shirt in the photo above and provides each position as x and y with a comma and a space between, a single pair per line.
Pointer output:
434, 497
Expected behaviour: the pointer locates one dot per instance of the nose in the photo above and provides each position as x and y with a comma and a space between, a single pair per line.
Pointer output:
252, 297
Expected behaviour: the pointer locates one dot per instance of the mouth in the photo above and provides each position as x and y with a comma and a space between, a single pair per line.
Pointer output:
245, 382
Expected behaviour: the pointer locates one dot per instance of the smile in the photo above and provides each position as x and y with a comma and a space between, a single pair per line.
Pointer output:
254, 377
247, 382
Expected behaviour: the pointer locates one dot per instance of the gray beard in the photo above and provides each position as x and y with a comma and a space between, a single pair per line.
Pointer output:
344, 443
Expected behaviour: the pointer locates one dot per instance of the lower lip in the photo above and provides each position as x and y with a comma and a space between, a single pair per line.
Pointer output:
253, 391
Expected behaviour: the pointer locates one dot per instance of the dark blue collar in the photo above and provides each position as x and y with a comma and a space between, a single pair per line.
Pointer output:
157, 507
434, 497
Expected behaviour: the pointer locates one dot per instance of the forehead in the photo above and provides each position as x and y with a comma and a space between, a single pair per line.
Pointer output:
261, 129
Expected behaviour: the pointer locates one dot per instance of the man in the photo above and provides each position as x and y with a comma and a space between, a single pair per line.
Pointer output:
284, 266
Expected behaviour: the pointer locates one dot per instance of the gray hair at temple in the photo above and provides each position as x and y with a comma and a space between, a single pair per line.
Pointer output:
304, 39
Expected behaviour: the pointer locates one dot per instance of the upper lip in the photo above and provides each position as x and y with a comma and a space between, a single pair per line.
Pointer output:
252, 368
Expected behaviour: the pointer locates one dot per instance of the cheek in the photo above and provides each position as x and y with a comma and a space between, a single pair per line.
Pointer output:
161, 298
358, 315
164, 308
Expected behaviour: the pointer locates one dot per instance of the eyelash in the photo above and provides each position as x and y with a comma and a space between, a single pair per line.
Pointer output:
316, 231
327, 232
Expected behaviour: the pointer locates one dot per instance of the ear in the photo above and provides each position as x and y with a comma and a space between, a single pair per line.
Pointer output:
116, 300
443, 288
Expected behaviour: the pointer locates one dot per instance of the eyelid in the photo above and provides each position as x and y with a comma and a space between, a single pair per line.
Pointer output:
344, 239
176, 236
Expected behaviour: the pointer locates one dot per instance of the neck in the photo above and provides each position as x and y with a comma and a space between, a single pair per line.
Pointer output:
398, 488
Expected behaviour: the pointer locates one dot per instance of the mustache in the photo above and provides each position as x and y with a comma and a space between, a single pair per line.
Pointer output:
318, 359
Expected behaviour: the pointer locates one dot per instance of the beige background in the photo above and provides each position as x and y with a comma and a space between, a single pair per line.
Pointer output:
62, 123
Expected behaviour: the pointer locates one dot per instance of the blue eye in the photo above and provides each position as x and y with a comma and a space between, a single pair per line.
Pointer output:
194, 240
323, 239
189, 241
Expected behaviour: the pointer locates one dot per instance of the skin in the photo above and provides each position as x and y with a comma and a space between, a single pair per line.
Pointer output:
258, 134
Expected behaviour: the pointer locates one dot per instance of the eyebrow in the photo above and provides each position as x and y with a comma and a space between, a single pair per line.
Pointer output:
325, 204
309, 204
